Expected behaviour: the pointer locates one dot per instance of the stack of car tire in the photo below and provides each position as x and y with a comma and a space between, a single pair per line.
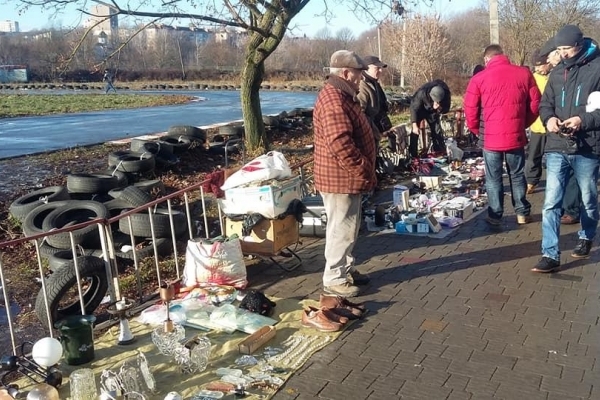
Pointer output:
102, 195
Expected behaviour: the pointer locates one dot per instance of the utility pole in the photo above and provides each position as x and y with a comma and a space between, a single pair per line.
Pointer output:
494, 23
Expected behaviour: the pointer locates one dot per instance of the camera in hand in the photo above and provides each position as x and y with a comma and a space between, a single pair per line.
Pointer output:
571, 140
565, 131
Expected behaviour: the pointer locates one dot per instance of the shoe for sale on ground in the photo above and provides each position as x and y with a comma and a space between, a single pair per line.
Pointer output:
330, 314
546, 264
357, 278
318, 320
582, 250
341, 306
345, 289
531, 188
493, 221
568, 220
523, 219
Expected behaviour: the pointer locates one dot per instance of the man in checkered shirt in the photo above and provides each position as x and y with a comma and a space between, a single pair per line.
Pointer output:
344, 169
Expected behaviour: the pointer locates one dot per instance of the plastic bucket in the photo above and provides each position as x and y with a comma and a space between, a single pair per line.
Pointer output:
77, 338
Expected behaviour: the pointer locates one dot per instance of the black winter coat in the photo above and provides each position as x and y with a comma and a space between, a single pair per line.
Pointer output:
565, 96
421, 104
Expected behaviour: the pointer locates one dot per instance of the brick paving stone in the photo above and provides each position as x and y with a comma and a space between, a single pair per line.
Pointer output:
472, 369
508, 390
457, 382
566, 387
481, 387
530, 380
539, 367
422, 391
338, 391
498, 360
301, 385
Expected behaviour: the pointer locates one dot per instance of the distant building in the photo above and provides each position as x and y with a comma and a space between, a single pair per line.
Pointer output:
195, 35
100, 22
9, 26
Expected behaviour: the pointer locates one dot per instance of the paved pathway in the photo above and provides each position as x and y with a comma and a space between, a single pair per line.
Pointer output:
456, 318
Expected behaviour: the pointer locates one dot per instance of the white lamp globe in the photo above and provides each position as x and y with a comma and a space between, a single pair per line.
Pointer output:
47, 351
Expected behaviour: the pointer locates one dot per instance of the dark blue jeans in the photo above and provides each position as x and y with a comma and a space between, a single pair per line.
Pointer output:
515, 164
558, 170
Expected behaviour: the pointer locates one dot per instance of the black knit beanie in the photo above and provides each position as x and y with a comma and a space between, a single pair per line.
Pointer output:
568, 35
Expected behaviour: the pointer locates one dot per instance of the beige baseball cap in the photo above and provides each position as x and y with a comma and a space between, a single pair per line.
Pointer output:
347, 59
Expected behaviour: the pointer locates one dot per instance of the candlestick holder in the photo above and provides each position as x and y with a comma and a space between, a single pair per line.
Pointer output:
167, 294
120, 309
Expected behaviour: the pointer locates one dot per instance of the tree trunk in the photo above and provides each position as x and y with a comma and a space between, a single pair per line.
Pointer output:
252, 77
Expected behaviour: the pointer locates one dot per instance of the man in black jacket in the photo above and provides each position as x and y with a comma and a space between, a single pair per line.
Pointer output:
572, 143
428, 103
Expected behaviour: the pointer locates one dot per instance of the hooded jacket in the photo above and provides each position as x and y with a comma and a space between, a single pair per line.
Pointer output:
509, 98
568, 88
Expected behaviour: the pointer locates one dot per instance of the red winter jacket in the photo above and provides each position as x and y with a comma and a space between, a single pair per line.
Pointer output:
509, 98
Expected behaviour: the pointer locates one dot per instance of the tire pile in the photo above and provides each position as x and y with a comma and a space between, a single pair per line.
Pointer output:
103, 194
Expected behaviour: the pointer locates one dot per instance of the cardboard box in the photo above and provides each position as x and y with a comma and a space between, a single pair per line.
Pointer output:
314, 221
257, 340
431, 181
268, 237
267, 200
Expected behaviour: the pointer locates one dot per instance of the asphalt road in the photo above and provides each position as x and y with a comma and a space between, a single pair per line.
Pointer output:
29, 135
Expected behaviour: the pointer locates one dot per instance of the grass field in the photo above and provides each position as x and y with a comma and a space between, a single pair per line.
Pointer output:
21, 105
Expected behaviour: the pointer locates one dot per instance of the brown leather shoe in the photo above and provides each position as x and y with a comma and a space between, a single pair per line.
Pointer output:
318, 320
341, 306
568, 220
331, 314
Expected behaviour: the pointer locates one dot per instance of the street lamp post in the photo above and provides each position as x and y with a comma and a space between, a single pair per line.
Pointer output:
494, 22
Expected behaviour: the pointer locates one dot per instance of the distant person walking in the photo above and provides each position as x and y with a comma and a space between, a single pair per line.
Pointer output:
108, 81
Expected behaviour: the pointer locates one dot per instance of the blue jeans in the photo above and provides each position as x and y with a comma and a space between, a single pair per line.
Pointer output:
515, 165
558, 169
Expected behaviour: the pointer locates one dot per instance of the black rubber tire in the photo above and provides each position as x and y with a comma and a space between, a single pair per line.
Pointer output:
140, 224
272, 121
91, 183
180, 144
72, 213
132, 195
33, 222
164, 247
129, 161
185, 130
153, 146
122, 177
65, 257
64, 282
232, 130
155, 187
26, 203
116, 206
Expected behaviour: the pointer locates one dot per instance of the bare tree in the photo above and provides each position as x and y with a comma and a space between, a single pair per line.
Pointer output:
426, 45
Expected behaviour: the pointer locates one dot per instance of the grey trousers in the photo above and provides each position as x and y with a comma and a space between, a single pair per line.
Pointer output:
343, 223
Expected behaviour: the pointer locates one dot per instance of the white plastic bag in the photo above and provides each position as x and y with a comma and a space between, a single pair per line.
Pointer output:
272, 165
454, 152
218, 262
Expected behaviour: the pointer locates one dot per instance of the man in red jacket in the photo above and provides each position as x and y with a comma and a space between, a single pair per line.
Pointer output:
344, 168
509, 99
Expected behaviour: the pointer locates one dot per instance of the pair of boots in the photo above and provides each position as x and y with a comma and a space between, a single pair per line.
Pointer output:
333, 313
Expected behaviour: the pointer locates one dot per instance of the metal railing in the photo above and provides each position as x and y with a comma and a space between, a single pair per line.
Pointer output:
107, 244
